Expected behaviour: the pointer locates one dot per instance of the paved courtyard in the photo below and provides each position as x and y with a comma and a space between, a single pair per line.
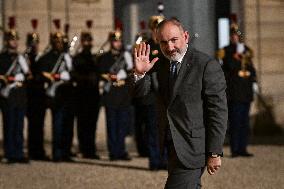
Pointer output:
264, 171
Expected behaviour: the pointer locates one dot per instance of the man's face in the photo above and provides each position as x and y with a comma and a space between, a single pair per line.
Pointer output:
34, 47
172, 41
87, 44
116, 45
58, 45
13, 43
235, 38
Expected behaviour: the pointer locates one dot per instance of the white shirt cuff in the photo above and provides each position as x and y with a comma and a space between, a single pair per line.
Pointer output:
137, 77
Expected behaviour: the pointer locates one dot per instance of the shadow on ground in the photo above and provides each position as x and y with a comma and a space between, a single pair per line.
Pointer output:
263, 140
106, 163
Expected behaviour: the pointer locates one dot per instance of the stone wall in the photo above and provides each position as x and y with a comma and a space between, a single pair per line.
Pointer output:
74, 12
264, 29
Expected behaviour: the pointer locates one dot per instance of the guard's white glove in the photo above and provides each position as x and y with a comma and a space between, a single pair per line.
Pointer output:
128, 59
65, 76
255, 88
240, 48
121, 75
19, 77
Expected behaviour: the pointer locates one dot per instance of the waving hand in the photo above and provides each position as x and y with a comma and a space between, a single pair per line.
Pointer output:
141, 59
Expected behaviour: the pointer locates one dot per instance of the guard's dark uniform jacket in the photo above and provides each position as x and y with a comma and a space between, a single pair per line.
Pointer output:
46, 63
117, 101
17, 96
148, 113
239, 89
85, 75
13, 104
116, 96
239, 95
35, 112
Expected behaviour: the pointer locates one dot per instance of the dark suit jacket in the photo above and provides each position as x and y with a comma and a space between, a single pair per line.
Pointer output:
197, 111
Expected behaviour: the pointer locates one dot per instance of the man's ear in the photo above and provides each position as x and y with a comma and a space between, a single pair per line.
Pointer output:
186, 36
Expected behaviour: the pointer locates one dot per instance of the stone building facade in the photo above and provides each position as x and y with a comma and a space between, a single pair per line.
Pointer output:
262, 23
73, 12
264, 29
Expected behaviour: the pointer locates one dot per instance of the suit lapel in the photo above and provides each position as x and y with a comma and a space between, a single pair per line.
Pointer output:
186, 66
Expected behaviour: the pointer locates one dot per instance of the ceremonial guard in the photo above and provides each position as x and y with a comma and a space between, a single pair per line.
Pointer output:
32, 43
13, 74
155, 77
86, 77
36, 100
69, 106
241, 77
52, 71
115, 66
139, 124
148, 110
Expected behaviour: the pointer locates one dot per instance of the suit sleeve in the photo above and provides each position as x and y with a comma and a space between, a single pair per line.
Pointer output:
141, 87
216, 111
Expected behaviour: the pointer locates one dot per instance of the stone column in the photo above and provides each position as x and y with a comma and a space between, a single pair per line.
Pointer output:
1, 22
76, 12
264, 27
237, 7
130, 22
197, 17
204, 25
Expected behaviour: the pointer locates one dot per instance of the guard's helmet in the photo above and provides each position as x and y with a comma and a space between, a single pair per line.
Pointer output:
57, 36
33, 37
87, 35
154, 21
11, 33
234, 27
115, 35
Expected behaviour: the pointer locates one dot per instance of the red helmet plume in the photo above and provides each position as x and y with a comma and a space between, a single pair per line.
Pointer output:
12, 22
56, 23
34, 23
89, 24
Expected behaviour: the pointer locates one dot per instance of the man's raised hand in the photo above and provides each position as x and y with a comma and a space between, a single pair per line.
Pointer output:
141, 59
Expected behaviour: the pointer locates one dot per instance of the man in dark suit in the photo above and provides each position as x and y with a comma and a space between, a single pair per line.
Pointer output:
192, 87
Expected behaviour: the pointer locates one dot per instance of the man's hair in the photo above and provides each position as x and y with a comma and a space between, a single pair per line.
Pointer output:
172, 21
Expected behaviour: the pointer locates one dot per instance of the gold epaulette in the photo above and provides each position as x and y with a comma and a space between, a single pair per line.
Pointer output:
250, 52
220, 54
